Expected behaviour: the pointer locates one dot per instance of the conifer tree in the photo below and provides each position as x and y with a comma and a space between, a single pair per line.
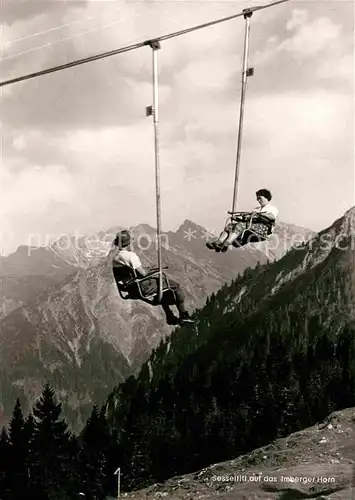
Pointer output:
93, 455
28, 431
18, 456
5, 467
136, 451
53, 471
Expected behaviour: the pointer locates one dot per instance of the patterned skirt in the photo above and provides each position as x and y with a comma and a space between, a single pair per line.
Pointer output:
239, 227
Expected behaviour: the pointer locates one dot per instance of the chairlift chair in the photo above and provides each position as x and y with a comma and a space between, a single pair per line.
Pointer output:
130, 284
251, 234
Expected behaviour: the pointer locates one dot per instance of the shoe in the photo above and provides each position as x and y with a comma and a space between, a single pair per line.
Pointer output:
211, 245
214, 245
186, 318
172, 320
237, 244
224, 248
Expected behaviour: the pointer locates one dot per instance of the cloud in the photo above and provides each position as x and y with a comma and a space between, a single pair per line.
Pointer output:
315, 51
22, 11
304, 118
35, 188
298, 18
290, 144
105, 92
27, 194
208, 75
341, 67
310, 38
90, 120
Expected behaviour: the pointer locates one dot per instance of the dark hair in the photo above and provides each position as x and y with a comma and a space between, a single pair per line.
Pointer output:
264, 192
123, 239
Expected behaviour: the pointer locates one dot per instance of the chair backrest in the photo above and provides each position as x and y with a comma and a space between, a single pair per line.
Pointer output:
267, 223
123, 273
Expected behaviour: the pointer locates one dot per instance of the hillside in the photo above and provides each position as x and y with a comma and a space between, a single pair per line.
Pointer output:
317, 462
273, 353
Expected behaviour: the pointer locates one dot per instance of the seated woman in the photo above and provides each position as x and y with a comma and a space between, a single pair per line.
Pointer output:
126, 265
236, 232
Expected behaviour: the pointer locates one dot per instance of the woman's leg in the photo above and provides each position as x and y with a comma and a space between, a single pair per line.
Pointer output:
221, 238
234, 230
179, 301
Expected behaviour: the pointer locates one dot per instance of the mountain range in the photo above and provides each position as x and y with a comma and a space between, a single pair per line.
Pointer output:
62, 319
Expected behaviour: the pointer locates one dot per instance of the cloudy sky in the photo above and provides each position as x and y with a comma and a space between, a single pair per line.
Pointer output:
78, 151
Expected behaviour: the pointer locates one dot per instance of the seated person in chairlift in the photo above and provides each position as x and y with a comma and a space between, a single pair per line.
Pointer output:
236, 232
120, 256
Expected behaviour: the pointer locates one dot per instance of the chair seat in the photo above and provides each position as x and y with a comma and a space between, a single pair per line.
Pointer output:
131, 286
253, 227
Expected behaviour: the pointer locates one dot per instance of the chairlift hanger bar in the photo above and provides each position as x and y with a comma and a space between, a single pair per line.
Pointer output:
135, 46
246, 72
154, 111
